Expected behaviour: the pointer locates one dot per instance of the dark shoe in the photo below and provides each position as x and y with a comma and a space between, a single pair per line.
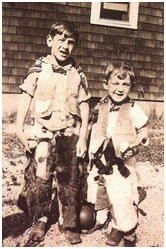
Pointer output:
38, 231
130, 238
128, 243
114, 238
31, 243
72, 237
97, 226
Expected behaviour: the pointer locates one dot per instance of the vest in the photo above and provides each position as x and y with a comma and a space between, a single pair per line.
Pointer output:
46, 92
123, 132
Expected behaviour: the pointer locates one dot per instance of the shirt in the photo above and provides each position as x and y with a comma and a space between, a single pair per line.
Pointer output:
56, 92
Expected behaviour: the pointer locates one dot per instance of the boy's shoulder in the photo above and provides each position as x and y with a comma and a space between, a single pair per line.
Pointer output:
79, 70
37, 66
102, 101
83, 78
95, 112
143, 106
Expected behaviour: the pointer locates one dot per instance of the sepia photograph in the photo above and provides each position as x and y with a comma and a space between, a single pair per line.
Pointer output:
82, 124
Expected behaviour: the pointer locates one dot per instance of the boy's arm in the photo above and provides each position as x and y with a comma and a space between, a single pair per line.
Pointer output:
140, 120
23, 109
142, 136
142, 139
82, 142
28, 87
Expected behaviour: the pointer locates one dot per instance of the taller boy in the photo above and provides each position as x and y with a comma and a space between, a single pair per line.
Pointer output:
55, 91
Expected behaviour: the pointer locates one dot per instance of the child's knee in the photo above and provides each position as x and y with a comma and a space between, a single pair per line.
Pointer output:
41, 156
42, 150
102, 215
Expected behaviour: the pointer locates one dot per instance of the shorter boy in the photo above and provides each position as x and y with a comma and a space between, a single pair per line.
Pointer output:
118, 128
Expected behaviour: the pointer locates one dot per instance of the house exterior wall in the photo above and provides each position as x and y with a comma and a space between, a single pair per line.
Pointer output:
25, 26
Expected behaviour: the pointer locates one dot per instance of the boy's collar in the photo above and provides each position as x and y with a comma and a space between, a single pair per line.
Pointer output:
50, 60
115, 106
56, 67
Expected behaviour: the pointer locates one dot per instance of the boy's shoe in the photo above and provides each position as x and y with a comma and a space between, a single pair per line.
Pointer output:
130, 238
38, 231
97, 226
114, 238
128, 243
72, 237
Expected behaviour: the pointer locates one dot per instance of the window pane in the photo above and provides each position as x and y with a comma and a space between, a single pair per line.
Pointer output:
115, 11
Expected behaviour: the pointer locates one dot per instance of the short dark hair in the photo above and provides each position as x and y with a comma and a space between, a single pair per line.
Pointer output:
60, 26
123, 68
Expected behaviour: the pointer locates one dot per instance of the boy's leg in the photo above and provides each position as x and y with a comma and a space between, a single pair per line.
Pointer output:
68, 185
37, 189
123, 212
92, 185
101, 218
43, 172
97, 195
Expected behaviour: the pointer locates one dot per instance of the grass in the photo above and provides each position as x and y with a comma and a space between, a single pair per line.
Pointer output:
9, 119
153, 153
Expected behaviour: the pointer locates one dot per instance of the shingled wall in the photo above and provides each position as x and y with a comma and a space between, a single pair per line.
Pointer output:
26, 24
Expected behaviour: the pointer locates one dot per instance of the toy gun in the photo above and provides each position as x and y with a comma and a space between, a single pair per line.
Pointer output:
104, 160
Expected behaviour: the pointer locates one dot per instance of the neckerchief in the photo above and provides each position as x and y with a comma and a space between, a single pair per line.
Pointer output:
59, 69
115, 106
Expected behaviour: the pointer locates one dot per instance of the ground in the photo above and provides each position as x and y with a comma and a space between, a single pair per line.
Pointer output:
150, 162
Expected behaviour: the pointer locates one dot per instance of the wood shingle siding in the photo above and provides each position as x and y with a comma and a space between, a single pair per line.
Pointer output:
26, 24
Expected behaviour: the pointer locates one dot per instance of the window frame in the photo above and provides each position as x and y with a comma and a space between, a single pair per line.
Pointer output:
131, 24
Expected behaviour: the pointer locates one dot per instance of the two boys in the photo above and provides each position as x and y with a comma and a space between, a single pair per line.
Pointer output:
56, 93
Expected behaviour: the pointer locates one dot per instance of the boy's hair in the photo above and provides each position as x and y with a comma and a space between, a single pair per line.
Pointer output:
121, 69
60, 26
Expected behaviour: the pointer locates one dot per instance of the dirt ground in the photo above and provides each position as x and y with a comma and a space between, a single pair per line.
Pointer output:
150, 162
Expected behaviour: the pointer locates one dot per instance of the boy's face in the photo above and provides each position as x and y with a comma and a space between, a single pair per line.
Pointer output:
61, 46
118, 89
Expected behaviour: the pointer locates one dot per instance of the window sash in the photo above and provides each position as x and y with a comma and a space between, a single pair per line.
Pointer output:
133, 17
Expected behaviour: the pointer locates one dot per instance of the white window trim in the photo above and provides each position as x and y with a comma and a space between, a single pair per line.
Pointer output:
131, 24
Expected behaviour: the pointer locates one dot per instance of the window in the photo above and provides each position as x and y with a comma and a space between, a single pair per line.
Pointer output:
117, 14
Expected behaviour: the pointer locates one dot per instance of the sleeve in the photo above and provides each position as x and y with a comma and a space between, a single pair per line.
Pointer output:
84, 95
29, 84
142, 136
139, 118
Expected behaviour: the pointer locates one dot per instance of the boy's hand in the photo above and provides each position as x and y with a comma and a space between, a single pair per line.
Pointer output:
21, 135
129, 153
81, 148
